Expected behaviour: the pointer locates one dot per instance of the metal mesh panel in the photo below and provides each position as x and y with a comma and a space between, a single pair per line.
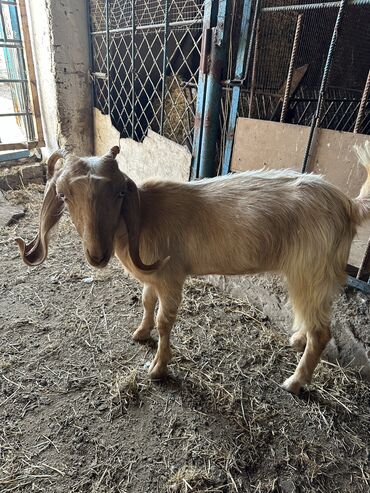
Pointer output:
154, 53
264, 87
97, 15
99, 47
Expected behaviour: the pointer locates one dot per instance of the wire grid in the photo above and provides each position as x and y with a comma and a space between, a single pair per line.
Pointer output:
120, 14
349, 71
262, 95
187, 10
121, 88
137, 99
99, 49
97, 15
148, 81
181, 82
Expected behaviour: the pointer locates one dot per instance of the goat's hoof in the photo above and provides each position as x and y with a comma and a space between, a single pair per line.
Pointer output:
292, 385
141, 334
157, 372
298, 341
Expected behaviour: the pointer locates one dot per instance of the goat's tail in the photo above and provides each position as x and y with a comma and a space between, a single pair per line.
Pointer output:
362, 202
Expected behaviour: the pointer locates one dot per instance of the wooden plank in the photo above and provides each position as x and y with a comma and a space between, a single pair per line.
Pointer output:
260, 143
274, 145
31, 72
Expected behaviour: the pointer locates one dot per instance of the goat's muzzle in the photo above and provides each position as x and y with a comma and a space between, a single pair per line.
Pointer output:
100, 261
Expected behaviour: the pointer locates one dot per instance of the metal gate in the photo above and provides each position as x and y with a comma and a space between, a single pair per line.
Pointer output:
304, 63
147, 78
20, 120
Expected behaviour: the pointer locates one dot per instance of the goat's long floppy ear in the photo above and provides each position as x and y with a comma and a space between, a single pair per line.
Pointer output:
131, 214
35, 252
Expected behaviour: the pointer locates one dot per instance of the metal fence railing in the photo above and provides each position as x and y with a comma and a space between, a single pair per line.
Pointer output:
147, 77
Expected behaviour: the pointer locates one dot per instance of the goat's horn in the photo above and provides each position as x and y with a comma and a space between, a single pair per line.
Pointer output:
54, 157
113, 152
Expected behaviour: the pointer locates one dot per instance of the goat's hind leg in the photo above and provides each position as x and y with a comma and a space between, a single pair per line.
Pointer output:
298, 339
169, 301
149, 299
317, 339
312, 310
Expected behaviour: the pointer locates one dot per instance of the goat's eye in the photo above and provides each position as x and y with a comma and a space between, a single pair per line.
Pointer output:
121, 195
61, 195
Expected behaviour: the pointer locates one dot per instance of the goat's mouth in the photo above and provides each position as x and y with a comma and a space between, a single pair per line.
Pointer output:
98, 262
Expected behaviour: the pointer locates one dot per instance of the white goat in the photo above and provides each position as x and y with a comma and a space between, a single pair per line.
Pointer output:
258, 221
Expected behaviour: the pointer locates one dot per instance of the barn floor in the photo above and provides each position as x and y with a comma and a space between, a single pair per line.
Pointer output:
79, 414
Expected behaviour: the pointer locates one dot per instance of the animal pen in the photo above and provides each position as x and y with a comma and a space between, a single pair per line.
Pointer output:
188, 69
194, 89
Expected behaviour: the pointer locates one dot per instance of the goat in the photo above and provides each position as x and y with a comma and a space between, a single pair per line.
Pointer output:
258, 221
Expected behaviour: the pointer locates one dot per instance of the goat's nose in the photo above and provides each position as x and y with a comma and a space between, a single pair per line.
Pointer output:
95, 258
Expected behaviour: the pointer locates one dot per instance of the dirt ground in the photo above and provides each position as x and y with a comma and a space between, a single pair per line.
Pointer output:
79, 414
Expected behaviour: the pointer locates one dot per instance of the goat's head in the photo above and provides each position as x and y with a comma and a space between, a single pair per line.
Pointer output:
97, 195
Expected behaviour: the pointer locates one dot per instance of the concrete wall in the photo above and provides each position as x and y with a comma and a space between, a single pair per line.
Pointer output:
60, 41
155, 157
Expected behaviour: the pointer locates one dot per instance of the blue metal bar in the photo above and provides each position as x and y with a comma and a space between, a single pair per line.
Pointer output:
2, 25
209, 18
240, 69
357, 284
324, 81
212, 105
11, 44
165, 37
11, 81
12, 156
133, 46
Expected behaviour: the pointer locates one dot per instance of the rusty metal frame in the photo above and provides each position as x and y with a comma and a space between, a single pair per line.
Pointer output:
293, 56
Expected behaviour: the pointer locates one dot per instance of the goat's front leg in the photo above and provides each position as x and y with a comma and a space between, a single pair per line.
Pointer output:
149, 298
169, 301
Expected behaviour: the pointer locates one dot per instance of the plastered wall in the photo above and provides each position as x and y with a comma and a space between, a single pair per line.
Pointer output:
155, 157
60, 45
